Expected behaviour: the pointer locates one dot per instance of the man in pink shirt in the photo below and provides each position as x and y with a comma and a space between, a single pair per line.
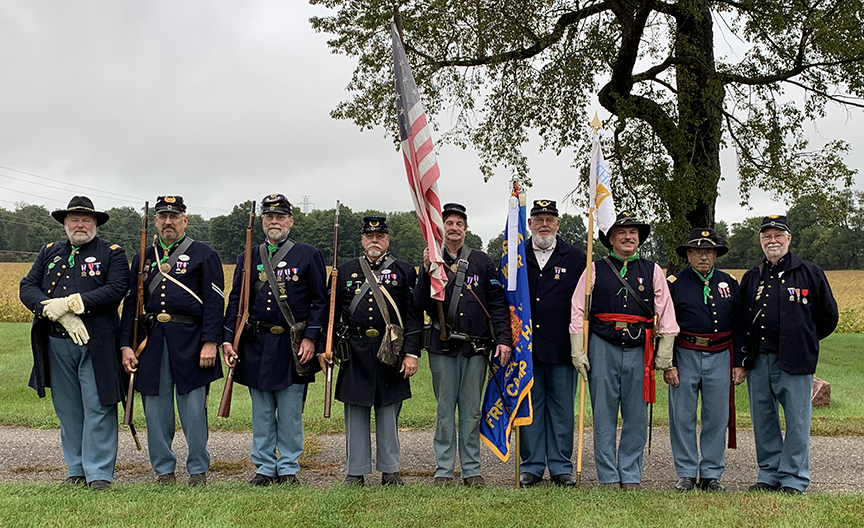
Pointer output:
628, 295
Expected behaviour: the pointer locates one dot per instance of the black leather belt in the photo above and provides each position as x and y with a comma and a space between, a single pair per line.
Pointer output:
363, 332
260, 327
621, 324
171, 318
58, 330
704, 341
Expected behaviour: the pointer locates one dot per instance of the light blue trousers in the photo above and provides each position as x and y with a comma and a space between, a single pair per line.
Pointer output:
707, 373
159, 414
358, 438
88, 429
548, 441
277, 423
782, 461
458, 383
615, 381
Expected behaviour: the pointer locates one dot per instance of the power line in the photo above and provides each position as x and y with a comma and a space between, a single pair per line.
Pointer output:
31, 194
77, 186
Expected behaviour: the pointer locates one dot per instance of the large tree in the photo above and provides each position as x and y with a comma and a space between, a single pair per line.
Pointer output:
506, 69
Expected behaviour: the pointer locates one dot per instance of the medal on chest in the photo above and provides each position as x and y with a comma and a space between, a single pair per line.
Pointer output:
641, 285
723, 288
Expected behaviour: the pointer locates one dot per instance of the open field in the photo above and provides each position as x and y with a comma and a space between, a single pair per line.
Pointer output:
848, 286
841, 362
238, 505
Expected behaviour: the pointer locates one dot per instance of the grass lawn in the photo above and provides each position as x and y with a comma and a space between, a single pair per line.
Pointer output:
237, 505
841, 363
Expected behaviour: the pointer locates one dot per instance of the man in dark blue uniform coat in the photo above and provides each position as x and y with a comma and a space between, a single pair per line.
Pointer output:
183, 302
74, 289
788, 307
554, 268
458, 364
365, 381
707, 303
266, 362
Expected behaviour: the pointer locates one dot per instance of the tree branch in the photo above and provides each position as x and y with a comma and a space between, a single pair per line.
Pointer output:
727, 78
564, 21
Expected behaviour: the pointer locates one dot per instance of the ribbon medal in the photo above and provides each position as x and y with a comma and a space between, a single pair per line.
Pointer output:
394, 276
641, 286
804, 296
791, 294
83, 270
295, 277
181, 267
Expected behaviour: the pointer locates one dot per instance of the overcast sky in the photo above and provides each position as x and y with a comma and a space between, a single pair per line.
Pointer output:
226, 101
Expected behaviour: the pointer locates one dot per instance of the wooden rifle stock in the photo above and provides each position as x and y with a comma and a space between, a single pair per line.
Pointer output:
240, 321
328, 350
139, 311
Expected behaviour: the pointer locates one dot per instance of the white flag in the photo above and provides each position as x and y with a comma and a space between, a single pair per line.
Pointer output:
601, 189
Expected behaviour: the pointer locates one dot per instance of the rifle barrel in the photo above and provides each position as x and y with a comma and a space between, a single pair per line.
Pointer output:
129, 403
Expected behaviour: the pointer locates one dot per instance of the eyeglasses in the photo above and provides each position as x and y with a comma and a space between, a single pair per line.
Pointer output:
778, 238
541, 221
700, 252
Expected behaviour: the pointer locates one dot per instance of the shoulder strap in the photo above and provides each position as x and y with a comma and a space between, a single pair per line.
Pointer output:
181, 249
276, 287
626, 284
458, 284
366, 285
376, 292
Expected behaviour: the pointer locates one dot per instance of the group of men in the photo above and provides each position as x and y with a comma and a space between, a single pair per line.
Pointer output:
698, 327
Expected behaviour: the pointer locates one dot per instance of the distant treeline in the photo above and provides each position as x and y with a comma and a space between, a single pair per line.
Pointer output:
829, 234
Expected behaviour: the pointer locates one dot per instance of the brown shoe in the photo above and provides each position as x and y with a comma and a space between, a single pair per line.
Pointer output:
167, 478
474, 482
198, 479
443, 481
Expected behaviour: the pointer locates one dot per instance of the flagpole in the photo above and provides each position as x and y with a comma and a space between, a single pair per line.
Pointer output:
595, 124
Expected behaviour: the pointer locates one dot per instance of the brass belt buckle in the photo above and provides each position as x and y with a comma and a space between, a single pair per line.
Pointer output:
371, 332
702, 341
276, 330
621, 324
163, 317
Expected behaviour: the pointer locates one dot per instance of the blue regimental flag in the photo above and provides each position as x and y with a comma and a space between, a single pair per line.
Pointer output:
507, 402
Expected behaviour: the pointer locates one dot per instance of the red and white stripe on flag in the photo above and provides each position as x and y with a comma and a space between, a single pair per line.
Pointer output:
418, 153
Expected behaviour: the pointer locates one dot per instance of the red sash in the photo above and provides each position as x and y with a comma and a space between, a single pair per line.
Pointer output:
648, 391
733, 439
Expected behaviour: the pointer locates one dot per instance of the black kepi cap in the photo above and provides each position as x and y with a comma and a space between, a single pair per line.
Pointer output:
626, 219
703, 238
276, 203
80, 204
172, 204
776, 221
544, 207
454, 208
374, 224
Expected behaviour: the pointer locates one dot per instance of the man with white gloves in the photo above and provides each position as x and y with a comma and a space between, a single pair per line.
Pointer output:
74, 289
630, 305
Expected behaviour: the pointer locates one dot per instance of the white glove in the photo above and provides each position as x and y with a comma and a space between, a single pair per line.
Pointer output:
663, 354
578, 355
75, 303
54, 308
75, 328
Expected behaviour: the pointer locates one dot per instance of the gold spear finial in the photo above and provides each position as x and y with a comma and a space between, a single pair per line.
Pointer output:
595, 123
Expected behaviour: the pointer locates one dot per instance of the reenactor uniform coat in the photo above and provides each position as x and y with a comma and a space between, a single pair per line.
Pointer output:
100, 275
363, 380
265, 357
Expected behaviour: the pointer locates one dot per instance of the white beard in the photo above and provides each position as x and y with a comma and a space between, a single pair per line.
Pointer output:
543, 242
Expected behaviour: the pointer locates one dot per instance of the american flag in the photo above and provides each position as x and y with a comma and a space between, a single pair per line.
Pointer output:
420, 163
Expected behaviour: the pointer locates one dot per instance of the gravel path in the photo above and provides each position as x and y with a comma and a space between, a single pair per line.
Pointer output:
31, 455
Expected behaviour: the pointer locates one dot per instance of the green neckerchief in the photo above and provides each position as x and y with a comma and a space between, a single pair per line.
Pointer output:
167, 249
271, 250
625, 261
706, 290
74, 252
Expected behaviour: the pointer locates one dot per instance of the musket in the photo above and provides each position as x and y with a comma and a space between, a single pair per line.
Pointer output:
240, 320
139, 311
328, 350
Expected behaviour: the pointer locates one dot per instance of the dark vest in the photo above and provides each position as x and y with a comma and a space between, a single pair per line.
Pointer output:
610, 297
